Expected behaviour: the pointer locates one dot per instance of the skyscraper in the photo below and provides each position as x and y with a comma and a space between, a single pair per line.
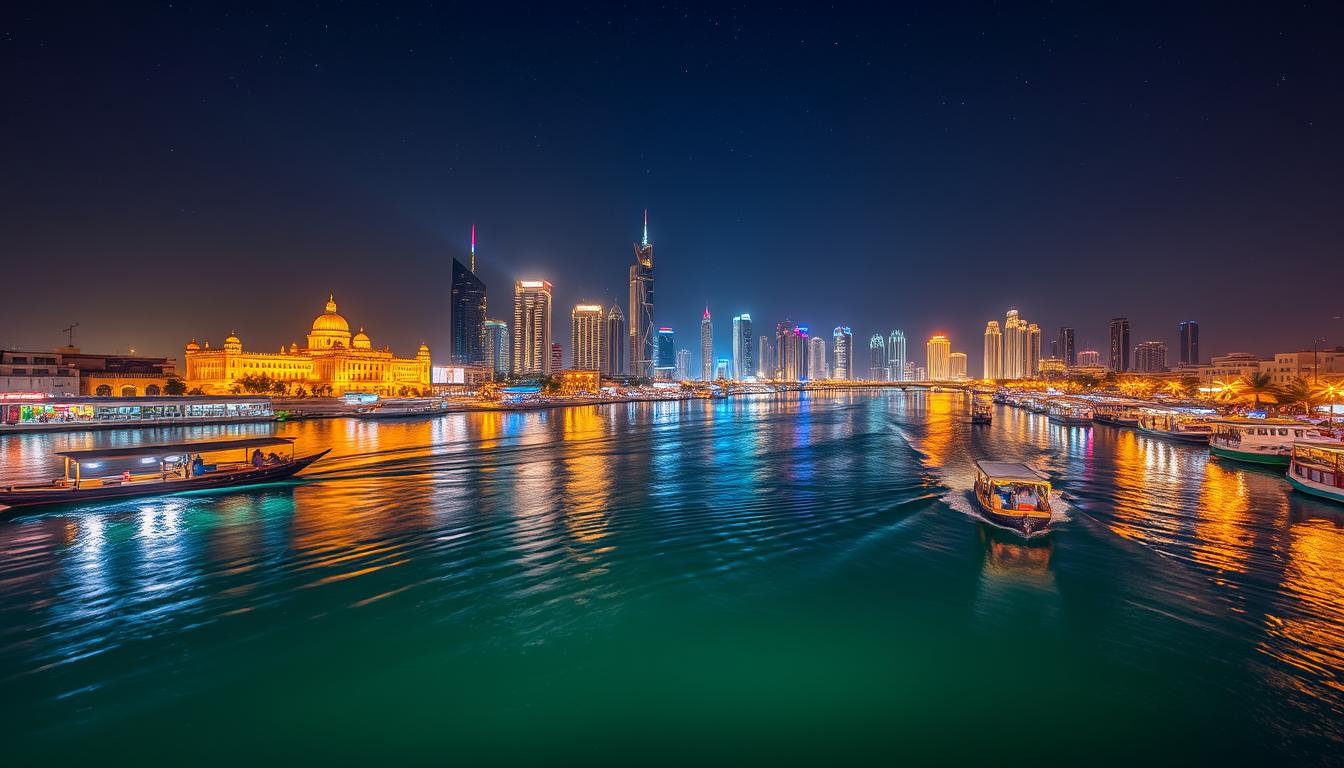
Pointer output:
683, 371
466, 312
665, 361
588, 323
721, 367
641, 307
765, 359
896, 356
938, 349
816, 358
531, 327
1089, 358
790, 351
956, 365
1119, 361
993, 351
557, 357
497, 349
1150, 357
614, 342
1033, 350
1189, 343
1014, 346
877, 358
706, 347
1066, 349
844, 343
743, 360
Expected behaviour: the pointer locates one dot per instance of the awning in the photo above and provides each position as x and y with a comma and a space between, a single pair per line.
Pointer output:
174, 449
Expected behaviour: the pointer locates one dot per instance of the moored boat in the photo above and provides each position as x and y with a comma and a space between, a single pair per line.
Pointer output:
1067, 412
394, 410
1115, 415
1318, 469
1262, 441
153, 470
1176, 425
982, 413
1013, 496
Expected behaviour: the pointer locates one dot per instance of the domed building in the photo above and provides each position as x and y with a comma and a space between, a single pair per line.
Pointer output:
333, 359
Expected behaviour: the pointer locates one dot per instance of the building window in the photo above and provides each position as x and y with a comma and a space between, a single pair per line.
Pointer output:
128, 391
103, 390
152, 390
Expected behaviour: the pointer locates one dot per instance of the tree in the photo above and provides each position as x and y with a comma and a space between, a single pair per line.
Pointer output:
175, 387
1301, 392
197, 391
1191, 385
1258, 385
280, 387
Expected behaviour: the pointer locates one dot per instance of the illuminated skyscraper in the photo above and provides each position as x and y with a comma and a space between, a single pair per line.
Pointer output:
614, 342
557, 357
844, 345
665, 362
1119, 360
531, 327
1189, 343
877, 358
498, 352
1150, 357
1014, 346
1089, 358
937, 351
706, 347
1033, 350
993, 351
896, 356
588, 323
641, 307
765, 359
683, 371
721, 367
816, 359
466, 312
791, 351
744, 366
1065, 350
956, 365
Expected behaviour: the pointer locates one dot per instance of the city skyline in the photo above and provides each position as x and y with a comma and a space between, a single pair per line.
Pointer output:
270, 183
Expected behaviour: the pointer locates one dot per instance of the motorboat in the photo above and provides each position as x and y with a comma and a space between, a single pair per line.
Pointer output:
151, 470
392, 409
1176, 425
1115, 415
1317, 468
1262, 441
1013, 496
982, 413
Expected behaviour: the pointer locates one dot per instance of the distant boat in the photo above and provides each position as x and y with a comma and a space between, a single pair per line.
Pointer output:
1175, 425
1262, 441
1013, 496
982, 413
153, 470
1066, 412
1115, 415
388, 409
1318, 469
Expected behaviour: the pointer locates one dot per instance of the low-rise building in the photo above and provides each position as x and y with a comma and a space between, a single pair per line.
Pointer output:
41, 373
579, 382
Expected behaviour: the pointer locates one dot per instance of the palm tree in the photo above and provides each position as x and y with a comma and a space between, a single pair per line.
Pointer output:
1301, 392
1258, 385
1228, 390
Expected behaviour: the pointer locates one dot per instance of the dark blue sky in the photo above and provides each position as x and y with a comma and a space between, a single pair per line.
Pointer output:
185, 169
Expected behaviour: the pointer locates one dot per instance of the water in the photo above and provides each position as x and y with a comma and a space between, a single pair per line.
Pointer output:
751, 580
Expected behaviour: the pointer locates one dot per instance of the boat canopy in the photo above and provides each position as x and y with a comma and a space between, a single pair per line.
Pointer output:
1010, 471
172, 449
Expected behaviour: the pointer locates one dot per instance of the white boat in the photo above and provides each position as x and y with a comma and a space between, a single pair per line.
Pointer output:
1262, 441
1067, 412
1318, 469
391, 409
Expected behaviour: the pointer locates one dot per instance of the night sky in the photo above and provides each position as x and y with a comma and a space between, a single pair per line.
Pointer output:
182, 170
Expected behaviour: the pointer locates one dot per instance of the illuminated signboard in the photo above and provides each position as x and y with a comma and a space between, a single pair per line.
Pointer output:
447, 374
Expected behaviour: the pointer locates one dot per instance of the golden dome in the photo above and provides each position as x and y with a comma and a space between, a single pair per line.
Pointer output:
232, 339
192, 346
361, 341
330, 320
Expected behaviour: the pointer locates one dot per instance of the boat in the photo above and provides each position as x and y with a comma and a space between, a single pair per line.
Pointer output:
106, 474
1013, 496
1262, 441
982, 413
1175, 425
1066, 412
1317, 468
1115, 415
393, 410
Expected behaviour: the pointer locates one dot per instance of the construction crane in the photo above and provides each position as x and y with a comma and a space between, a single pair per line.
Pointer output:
69, 332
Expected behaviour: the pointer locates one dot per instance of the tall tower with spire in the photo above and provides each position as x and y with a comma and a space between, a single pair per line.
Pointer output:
642, 331
466, 312
706, 347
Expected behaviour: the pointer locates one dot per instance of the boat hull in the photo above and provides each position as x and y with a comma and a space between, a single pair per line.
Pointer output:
1073, 421
981, 420
1196, 438
1024, 523
1248, 457
1115, 421
29, 499
1319, 491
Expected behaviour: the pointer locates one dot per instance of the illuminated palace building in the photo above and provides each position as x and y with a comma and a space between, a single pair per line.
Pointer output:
332, 359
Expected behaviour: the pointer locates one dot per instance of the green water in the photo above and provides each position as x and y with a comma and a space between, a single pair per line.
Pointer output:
743, 581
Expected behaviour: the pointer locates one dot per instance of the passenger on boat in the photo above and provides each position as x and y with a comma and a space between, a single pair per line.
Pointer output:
272, 458
257, 459
1026, 498
197, 466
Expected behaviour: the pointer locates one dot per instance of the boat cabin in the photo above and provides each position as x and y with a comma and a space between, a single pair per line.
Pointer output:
1011, 487
109, 467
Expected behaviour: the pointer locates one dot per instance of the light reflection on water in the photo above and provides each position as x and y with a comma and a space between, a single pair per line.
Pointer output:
718, 536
